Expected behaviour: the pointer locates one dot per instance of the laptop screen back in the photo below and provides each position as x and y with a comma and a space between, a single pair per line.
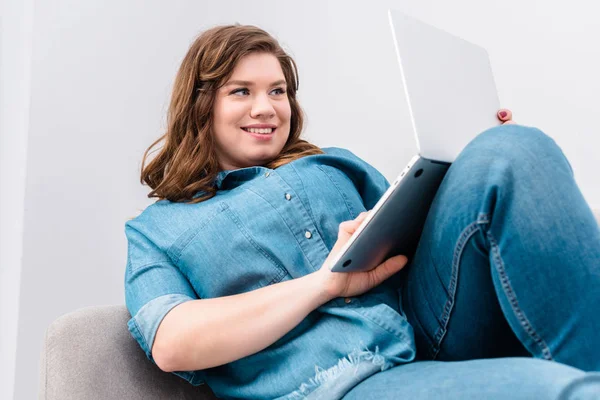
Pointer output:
449, 86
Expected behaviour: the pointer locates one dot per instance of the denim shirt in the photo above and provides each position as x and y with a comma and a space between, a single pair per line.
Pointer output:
265, 226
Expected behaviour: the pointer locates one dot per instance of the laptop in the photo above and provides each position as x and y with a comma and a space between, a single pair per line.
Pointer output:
452, 97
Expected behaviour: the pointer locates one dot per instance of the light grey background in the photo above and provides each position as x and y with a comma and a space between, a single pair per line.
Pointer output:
85, 87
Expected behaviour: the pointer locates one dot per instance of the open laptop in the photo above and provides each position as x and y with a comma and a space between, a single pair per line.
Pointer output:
452, 97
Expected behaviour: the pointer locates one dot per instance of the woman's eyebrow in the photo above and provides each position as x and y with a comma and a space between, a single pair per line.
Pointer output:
248, 83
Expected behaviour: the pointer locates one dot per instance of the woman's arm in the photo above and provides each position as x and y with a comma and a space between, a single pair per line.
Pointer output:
201, 334
206, 333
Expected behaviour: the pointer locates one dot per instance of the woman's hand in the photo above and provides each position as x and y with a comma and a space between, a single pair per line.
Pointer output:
505, 116
348, 284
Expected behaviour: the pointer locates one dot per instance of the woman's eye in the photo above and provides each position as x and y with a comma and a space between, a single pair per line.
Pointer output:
279, 91
240, 91
245, 91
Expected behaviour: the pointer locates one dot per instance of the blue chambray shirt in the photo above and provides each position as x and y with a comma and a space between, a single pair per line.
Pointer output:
266, 226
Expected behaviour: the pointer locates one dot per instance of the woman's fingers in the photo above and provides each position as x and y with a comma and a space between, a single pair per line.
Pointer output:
349, 227
361, 216
388, 268
505, 116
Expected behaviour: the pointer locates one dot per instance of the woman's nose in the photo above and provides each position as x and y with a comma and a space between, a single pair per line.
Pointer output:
262, 107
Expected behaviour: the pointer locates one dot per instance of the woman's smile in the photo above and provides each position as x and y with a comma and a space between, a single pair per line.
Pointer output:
255, 100
260, 131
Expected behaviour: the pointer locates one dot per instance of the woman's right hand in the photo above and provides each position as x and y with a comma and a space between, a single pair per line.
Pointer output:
348, 284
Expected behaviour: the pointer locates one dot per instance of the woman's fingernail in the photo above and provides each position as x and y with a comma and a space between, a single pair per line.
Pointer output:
503, 114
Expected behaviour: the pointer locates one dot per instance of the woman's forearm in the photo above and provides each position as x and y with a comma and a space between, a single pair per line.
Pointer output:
206, 333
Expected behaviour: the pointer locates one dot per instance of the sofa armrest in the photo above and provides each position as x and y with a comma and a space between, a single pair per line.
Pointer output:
89, 354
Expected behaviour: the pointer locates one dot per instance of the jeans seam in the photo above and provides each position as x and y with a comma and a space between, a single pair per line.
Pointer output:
431, 308
513, 301
464, 237
415, 317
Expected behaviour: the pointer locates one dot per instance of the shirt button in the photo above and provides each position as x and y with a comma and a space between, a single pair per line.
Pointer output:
267, 174
288, 196
307, 234
347, 300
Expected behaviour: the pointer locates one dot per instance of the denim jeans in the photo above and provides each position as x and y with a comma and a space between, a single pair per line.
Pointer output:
507, 268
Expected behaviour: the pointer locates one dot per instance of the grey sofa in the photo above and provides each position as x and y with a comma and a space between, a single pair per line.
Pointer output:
89, 354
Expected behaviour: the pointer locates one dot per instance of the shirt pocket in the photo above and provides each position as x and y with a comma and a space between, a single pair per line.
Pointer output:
342, 189
220, 257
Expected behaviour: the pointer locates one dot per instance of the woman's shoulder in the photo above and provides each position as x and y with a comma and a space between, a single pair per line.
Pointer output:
346, 158
156, 211
344, 154
167, 219
338, 151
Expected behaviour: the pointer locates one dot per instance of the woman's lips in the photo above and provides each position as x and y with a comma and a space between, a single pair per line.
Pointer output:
261, 136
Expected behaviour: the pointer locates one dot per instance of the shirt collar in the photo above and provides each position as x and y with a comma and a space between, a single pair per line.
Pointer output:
237, 176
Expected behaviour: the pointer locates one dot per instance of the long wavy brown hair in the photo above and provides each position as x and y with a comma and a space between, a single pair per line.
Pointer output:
186, 165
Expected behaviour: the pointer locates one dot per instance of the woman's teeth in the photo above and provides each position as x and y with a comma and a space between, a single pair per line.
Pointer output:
263, 131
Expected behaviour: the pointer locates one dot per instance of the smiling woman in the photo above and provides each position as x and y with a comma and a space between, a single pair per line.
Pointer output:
233, 80
228, 280
252, 113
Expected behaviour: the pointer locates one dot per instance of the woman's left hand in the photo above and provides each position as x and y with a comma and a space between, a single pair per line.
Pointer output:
505, 116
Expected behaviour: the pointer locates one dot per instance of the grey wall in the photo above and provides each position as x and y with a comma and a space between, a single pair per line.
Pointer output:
101, 73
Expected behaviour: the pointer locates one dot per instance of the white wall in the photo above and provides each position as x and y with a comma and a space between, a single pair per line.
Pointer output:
100, 80
15, 61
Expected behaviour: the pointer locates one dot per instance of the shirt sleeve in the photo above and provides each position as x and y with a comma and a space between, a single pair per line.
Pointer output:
153, 286
369, 182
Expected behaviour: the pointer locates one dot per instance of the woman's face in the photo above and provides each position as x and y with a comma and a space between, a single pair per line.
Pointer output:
251, 118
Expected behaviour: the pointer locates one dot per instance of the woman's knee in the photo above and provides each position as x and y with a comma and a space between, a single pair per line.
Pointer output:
516, 146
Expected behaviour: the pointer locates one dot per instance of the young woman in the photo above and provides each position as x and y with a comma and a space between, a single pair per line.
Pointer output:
228, 278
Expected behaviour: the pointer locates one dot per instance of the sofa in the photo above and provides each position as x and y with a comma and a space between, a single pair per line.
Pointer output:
89, 354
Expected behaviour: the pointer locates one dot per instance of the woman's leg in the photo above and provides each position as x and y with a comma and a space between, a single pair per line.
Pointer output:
490, 379
509, 260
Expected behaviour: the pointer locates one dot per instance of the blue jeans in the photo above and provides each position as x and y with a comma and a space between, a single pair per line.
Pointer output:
508, 268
